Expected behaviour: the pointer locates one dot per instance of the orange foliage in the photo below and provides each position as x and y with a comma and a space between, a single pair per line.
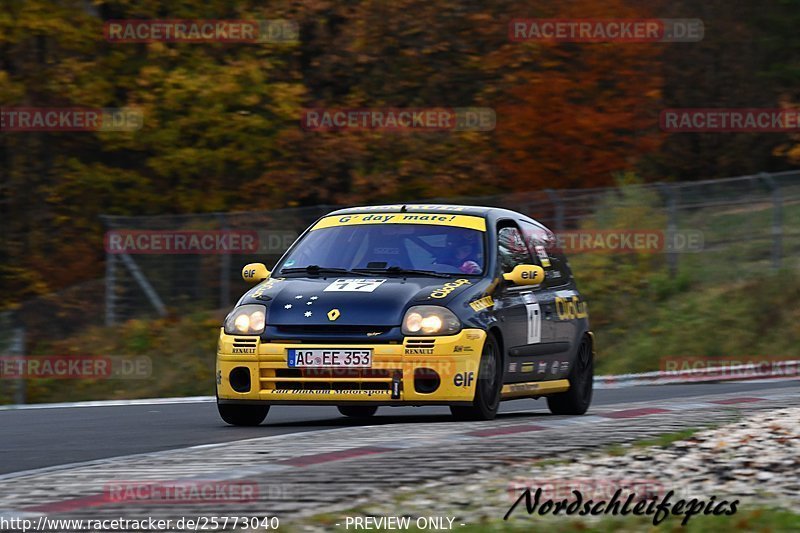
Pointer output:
578, 112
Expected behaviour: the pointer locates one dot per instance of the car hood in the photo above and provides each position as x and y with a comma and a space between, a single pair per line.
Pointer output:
374, 301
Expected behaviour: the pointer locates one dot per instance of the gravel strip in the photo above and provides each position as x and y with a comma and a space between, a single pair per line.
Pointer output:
755, 459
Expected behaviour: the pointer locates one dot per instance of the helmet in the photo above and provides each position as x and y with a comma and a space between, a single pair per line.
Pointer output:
463, 238
463, 245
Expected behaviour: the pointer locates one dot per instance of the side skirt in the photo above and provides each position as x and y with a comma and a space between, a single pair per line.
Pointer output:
533, 388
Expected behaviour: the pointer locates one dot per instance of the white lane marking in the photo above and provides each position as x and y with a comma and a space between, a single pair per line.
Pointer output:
778, 369
110, 403
107, 460
690, 406
10, 514
776, 394
600, 382
767, 380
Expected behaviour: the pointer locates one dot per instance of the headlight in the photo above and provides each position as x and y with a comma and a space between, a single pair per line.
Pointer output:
430, 320
247, 319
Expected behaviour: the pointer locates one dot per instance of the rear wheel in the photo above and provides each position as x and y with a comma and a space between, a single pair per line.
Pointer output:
358, 411
242, 415
487, 387
577, 399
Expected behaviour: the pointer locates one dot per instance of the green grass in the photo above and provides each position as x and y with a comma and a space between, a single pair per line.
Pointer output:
750, 319
663, 440
666, 439
764, 520
181, 352
617, 450
726, 302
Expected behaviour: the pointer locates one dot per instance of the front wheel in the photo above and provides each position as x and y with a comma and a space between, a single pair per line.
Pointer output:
577, 399
242, 415
358, 411
487, 387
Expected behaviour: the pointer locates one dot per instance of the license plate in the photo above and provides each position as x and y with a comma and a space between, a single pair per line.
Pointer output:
322, 358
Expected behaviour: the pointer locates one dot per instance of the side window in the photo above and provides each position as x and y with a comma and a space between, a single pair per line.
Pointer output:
560, 273
511, 249
544, 245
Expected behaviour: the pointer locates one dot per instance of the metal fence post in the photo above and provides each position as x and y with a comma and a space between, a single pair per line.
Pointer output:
224, 270
111, 281
672, 228
777, 220
148, 289
17, 347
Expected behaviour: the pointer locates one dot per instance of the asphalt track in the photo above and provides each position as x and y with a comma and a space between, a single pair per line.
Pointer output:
47, 437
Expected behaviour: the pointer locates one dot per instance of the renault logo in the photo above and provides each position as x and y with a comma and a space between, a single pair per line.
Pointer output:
333, 314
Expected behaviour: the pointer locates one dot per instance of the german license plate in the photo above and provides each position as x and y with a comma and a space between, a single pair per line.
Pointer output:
324, 358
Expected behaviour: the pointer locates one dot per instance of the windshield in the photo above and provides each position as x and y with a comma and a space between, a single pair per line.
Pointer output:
436, 248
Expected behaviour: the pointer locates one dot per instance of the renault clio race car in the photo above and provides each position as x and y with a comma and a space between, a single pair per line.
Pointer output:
409, 305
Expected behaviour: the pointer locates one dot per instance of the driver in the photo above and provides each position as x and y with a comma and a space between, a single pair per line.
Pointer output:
463, 252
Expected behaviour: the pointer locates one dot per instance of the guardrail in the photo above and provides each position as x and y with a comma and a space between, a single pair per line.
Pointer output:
777, 369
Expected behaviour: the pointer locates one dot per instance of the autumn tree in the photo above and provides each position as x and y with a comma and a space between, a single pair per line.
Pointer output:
573, 114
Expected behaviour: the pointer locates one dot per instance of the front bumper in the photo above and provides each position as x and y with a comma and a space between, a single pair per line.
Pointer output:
418, 371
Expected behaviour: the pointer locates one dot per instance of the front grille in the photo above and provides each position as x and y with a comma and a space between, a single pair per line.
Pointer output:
339, 373
326, 330
250, 342
420, 343
314, 379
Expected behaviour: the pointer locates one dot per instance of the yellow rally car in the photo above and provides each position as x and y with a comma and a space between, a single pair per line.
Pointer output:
409, 305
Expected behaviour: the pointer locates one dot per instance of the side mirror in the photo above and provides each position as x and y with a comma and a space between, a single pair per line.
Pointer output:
525, 275
255, 272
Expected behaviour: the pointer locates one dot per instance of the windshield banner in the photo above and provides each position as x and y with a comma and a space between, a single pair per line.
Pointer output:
437, 219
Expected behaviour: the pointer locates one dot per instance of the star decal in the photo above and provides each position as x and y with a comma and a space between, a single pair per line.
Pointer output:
287, 306
299, 296
307, 314
314, 298
309, 303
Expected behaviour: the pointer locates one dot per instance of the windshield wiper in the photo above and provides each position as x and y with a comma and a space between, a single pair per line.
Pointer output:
316, 269
406, 271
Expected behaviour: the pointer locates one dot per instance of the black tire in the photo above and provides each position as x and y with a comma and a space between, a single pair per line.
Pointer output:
242, 415
577, 399
487, 386
358, 411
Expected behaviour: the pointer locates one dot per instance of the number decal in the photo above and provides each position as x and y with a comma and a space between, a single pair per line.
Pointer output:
354, 285
534, 323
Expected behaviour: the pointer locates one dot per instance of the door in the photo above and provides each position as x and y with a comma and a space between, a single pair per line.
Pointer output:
552, 357
521, 311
